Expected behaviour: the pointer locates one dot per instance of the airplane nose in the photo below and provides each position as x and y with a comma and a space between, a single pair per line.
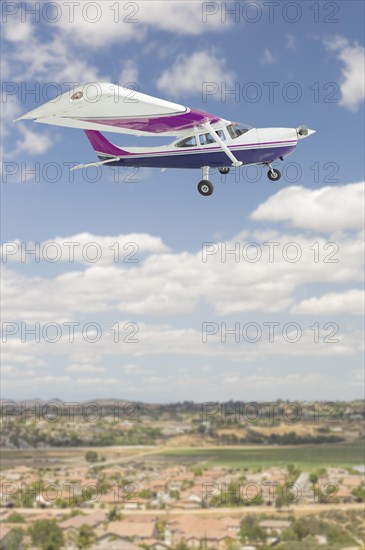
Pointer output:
303, 132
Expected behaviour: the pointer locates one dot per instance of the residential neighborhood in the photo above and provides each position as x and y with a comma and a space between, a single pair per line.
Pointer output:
174, 480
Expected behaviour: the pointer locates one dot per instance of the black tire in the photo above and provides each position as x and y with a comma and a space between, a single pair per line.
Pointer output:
224, 170
205, 188
273, 177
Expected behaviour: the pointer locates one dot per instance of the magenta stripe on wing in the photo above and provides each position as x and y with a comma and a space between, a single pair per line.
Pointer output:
158, 124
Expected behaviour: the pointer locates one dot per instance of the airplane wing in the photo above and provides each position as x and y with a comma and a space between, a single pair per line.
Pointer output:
112, 108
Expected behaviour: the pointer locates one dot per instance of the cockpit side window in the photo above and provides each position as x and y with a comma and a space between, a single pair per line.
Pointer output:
205, 139
187, 142
221, 134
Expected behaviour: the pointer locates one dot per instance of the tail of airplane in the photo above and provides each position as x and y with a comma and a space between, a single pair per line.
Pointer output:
102, 146
106, 151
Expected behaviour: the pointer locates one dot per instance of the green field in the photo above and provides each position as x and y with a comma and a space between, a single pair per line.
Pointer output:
309, 456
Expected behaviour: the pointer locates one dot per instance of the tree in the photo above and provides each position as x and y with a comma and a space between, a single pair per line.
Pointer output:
86, 537
313, 478
91, 456
300, 530
231, 544
358, 492
279, 502
114, 515
14, 539
146, 493
251, 530
15, 517
46, 534
160, 528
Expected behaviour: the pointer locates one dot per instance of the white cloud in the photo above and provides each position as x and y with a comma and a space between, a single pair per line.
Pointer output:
85, 248
164, 340
353, 71
84, 368
268, 58
129, 73
159, 343
10, 109
334, 303
16, 30
155, 285
188, 73
165, 282
55, 60
33, 143
291, 42
328, 209
117, 22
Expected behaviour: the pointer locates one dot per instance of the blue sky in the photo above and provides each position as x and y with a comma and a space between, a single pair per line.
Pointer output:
170, 50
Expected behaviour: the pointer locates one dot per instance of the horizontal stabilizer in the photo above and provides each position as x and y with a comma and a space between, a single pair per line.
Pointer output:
80, 166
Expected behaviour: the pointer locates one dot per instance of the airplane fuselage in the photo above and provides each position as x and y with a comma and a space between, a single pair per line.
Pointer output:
255, 146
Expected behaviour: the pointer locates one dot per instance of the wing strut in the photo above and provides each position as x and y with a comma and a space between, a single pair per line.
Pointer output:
228, 152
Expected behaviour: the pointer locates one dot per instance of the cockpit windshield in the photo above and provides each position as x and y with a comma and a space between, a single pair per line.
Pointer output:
236, 130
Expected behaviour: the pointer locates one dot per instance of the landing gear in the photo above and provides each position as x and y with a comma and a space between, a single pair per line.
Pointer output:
205, 187
273, 174
224, 170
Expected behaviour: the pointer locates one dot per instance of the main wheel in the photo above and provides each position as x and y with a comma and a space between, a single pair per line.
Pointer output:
224, 170
205, 188
274, 175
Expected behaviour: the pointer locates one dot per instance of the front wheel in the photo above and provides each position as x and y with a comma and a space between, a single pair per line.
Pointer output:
205, 188
274, 175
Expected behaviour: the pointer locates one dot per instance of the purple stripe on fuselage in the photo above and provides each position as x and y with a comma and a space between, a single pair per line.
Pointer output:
159, 124
199, 150
214, 158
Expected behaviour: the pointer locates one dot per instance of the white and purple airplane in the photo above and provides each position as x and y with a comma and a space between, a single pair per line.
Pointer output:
201, 140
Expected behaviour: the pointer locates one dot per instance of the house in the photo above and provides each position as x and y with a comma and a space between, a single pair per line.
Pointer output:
352, 481
274, 525
192, 497
154, 544
321, 539
196, 531
187, 504
114, 543
134, 505
93, 520
344, 495
138, 531
233, 525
